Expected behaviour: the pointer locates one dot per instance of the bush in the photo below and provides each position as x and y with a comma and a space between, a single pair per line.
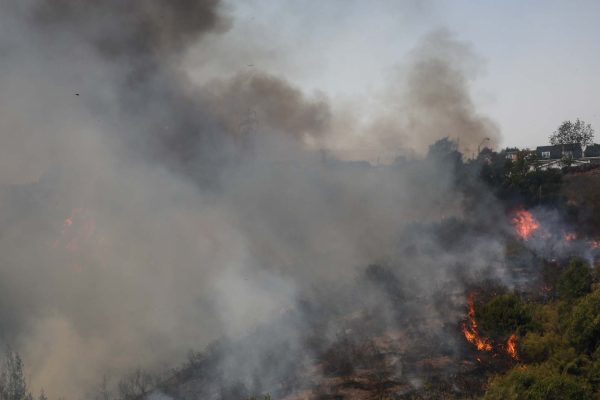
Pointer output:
537, 383
536, 348
583, 328
504, 315
575, 281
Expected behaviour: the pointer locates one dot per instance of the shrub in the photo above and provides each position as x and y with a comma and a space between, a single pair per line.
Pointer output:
537, 383
535, 347
504, 315
575, 281
583, 328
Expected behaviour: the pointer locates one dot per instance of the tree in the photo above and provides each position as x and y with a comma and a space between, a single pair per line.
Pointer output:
504, 315
537, 383
573, 132
583, 328
135, 385
103, 391
445, 151
576, 280
13, 385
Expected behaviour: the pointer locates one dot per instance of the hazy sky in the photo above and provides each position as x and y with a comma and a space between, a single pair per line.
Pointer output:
539, 59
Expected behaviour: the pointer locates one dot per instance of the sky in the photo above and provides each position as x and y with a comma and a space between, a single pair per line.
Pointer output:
539, 60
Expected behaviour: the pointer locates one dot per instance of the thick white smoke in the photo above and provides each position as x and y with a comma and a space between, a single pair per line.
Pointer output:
141, 216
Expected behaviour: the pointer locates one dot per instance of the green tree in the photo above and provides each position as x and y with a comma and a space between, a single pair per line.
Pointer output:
504, 315
573, 132
576, 280
537, 383
583, 327
535, 347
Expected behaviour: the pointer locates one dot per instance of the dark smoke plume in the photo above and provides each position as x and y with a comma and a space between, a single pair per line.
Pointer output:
136, 223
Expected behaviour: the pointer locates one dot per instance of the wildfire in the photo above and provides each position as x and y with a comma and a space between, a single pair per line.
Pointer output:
77, 229
470, 329
484, 344
76, 235
511, 346
525, 224
570, 236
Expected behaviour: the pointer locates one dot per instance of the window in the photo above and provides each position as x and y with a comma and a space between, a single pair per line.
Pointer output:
545, 154
568, 154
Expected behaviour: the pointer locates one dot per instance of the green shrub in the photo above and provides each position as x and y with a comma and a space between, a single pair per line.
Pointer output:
583, 329
537, 383
575, 281
504, 315
536, 347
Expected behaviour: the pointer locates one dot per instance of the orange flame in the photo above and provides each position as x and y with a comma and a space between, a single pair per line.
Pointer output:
570, 236
511, 347
78, 228
470, 329
77, 232
525, 224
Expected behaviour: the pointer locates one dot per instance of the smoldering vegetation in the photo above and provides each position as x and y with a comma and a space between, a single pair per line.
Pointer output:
142, 216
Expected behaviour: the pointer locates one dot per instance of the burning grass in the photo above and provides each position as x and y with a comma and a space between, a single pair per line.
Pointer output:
525, 224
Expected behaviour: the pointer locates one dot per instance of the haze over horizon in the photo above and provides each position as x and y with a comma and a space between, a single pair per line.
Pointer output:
539, 60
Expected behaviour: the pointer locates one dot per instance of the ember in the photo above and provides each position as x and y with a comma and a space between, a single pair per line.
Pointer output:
525, 224
82, 231
77, 230
570, 236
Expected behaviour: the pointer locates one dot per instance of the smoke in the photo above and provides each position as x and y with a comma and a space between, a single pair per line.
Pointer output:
142, 215
429, 98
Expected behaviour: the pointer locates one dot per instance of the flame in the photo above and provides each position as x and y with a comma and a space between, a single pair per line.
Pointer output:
470, 332
525, 224
77, 229
511, 346
76, 234
470, 329
570, 236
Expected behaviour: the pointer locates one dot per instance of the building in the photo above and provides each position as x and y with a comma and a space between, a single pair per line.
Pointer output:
592, 151
511, 154
559, 151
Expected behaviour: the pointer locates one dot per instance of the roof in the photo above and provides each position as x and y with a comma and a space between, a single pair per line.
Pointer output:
592, 150
561, 147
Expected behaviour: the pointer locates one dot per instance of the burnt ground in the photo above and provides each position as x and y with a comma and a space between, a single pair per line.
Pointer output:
393, 364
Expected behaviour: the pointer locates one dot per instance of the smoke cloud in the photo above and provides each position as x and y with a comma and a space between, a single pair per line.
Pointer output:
142, 215
428, 99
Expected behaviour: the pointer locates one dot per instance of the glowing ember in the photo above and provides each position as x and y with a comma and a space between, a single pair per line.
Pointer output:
77, 229
511, 347
470, 329
525, 224
570, 236
76, 234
